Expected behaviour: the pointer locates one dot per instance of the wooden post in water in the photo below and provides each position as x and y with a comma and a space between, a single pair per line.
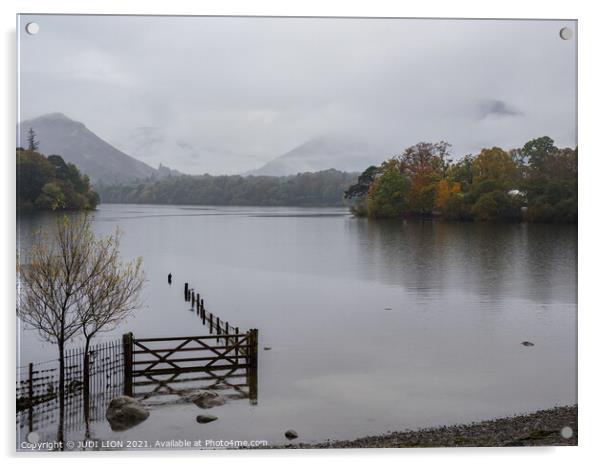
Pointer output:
193, 296
198, 302
127, 364
210, 323
186, 292
219, 330
202, 312
253, 356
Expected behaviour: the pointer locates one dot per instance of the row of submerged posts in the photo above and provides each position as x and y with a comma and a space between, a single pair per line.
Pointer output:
221, 355
215, 324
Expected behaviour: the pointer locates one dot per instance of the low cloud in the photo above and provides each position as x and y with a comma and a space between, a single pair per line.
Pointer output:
494, 108
239, 92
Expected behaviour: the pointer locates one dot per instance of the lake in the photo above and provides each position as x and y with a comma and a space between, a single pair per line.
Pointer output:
373, 325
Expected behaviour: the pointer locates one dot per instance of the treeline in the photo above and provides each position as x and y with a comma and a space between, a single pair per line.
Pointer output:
537, 183
325, 188
49, 183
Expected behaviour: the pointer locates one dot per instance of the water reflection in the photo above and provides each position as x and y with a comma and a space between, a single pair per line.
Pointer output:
82, 416
530, 261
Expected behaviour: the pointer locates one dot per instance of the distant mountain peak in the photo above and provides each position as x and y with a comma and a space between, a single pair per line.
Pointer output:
55, 116
61, 135
323, 152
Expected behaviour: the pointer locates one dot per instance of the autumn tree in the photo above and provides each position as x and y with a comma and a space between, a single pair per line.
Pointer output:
425, 165
444, 191
496, 167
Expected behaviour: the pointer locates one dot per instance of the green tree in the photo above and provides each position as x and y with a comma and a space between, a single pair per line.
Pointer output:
497, 205
388, 195
52, 197
538, 151
50, 183
32, 143
461, 172
33, 172
551, 184
364, 181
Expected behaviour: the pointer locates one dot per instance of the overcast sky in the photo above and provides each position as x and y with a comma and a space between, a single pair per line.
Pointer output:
225, 95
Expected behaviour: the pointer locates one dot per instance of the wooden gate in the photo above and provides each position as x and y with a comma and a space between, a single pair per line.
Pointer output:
149, 357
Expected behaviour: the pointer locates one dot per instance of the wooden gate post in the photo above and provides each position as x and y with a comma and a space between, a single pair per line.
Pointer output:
252, 373
127, 364
253, 350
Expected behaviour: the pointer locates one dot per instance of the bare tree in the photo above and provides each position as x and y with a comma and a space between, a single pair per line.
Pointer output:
68, 281
113, 293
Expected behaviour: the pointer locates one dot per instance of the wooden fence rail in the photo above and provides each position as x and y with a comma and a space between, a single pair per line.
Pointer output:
149, 357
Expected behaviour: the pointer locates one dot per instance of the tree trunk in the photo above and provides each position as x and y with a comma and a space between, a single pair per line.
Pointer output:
60, 433
87, 385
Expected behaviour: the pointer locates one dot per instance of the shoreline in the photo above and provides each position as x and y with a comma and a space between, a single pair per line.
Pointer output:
539, 428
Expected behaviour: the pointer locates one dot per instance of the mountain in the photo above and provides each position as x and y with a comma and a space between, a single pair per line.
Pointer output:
322, 153
58, 134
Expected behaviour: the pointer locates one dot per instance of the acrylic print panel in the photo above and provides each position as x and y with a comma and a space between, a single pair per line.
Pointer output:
308, 232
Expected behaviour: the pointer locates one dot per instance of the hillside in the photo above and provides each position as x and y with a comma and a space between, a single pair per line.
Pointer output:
58, 134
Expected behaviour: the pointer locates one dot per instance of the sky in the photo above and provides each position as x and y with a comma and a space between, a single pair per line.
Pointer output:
225, 95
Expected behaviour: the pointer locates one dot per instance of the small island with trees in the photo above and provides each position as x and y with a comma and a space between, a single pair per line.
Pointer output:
536, 183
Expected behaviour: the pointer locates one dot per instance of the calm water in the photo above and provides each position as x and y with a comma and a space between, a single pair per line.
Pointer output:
374, 326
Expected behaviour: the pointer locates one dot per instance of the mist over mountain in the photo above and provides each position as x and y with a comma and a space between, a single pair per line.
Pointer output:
60, 135
342, 153
189, 153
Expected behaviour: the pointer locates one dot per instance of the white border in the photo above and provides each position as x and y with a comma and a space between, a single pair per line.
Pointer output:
590, 170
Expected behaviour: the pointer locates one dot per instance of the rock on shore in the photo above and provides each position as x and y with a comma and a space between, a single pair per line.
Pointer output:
206, 399
125, 412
